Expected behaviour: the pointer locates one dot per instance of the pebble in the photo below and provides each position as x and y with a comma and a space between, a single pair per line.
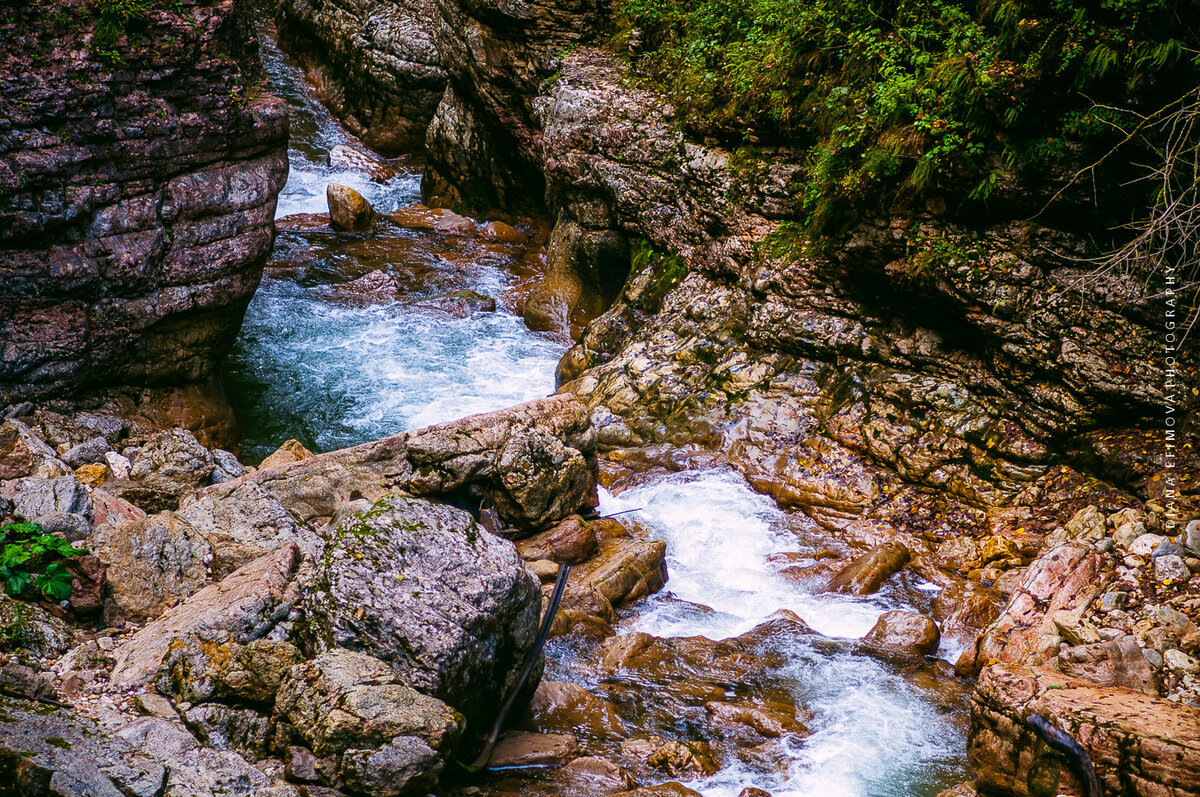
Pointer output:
1180, 661
1153, 658
1113, 600
1191, 536
1171, 568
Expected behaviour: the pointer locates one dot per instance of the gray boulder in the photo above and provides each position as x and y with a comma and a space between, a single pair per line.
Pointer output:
86, 453
449, 606
174, 456
388, 738
34, 498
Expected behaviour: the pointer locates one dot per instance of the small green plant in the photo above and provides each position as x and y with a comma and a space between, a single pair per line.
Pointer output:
24, 550
115, 17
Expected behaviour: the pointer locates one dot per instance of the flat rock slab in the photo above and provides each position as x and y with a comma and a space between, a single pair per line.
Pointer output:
243, 607
520, 749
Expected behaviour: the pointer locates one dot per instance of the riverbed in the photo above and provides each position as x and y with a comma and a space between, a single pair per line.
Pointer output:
317, 362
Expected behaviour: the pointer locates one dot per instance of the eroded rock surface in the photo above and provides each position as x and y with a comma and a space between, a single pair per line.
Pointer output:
374, 64
130, 256
446, 604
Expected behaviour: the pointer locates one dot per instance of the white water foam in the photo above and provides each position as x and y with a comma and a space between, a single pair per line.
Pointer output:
341, 376
719, 533
873, 733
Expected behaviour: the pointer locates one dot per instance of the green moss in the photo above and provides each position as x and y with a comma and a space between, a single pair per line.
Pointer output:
658, 272
58, 742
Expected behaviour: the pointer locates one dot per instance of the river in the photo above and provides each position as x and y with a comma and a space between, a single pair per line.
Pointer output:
332, 370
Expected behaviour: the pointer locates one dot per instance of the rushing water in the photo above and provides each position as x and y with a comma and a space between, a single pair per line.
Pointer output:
874, 733
315, 361
316, 364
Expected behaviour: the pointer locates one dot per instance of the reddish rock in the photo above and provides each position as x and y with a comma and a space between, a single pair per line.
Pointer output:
134, 235
1139, 744
866, 574
520, 749
907, 632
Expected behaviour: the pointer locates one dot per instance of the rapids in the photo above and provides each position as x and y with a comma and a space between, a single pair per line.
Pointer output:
316, 364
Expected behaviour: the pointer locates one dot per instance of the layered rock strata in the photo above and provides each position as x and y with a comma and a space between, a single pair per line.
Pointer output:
138, 181
374, 65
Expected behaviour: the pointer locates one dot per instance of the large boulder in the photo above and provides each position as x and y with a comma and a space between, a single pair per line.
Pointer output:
348, 209
388, 738
153, 563
449, 606
249, 604
1140, 744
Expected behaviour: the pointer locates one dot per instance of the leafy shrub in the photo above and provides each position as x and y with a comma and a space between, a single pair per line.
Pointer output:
25, 550
894, 97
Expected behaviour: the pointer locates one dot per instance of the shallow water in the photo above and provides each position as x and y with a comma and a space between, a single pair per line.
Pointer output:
317, 362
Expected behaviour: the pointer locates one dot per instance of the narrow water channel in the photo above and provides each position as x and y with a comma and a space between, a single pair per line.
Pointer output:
317, 362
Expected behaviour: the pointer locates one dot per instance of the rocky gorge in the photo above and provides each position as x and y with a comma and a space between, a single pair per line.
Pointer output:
878, 502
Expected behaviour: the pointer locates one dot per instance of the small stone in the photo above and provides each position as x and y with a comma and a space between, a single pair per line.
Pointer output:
348, 209
1193, 564
1134, 562
87, 453
1074, 629
1113, 600
1171, 569
1153, 658
1109, 634
1179, 661
499, 231
92, 475
1105, 545
1145, 544
118, 464
544, 569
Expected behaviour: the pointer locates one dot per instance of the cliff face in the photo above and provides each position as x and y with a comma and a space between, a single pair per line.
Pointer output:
966, 384
374, 64
138, 183
971, 356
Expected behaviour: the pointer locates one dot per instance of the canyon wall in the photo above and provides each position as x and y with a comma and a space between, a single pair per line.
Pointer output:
138, 180
374, 65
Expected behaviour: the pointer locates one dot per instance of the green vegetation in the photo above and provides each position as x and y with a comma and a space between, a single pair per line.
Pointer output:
890, 99
28, 556
115, 17
662, 270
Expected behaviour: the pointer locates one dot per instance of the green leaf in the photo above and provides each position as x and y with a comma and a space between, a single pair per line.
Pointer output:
55, 582
15, 554
28, 529
16, 581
